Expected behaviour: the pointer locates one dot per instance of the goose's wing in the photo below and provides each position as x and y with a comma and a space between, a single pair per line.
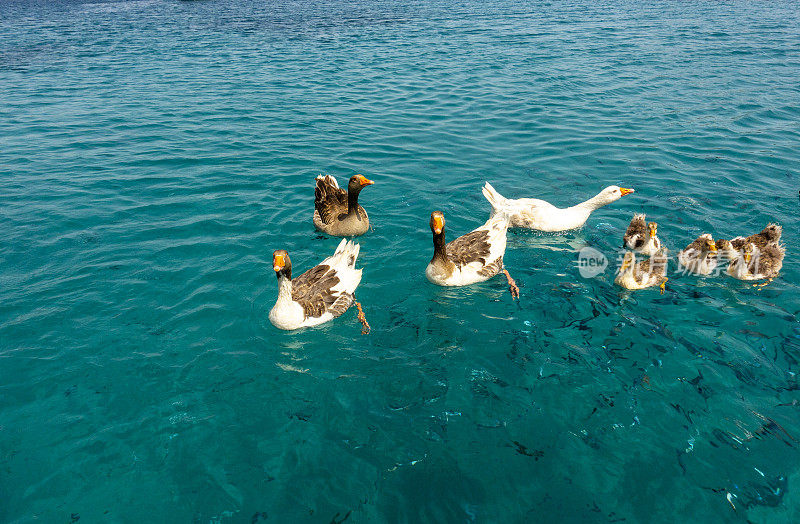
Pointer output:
762, 238
472, 247
329, 199
636, 234
314, 290
485, 245
738, 243
758, 240
696, 245
653, 267
769, 260
691, 251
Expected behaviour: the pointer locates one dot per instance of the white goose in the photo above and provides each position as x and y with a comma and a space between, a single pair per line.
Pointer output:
474, 257
320, 294
537, 214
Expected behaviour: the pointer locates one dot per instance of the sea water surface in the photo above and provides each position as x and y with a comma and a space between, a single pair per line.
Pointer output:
153, 154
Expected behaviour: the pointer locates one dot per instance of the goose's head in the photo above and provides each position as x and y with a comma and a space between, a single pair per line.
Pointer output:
725, 248
747, 252
628, 262
707, 243
653, 227
612, 194
282, 264
437, 222
357, 183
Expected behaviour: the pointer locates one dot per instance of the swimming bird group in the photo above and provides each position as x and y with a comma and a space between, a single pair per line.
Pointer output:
756, 257
327, 290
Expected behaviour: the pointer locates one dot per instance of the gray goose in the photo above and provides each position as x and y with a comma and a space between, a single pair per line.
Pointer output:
337, 212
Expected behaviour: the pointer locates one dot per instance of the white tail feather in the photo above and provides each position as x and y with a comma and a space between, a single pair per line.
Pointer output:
346, 254
341, 247
497, 200
356, 251
328, 179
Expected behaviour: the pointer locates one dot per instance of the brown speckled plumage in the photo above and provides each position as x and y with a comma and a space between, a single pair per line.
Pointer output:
492, 269
472, 247
655, 266
636, 234
770, 235
313, 290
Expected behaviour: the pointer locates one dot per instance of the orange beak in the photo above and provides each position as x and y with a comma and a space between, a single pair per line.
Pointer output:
365, 181
625, 191
438, 224
278, 263
713, 247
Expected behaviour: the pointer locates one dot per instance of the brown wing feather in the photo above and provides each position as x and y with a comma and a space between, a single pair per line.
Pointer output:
341, 304
695, 248
313, 290
638, 226
769, 261
738, 243
329, 201
490, 270
697, 245
472, 247
656, 265
761, 240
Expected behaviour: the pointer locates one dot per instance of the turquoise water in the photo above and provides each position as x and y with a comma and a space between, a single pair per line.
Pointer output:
154, 153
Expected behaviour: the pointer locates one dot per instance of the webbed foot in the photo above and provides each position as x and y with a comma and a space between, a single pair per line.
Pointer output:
365, 329
512, 285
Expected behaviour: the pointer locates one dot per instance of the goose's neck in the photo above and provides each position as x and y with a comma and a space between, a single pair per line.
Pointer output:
596, 202
628, 271
284, 289
439, 248
352, 201
740, 268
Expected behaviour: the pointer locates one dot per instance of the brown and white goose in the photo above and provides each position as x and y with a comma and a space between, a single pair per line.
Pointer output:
754, 263
337, 212
320, 294
642, 236
474, 257
644, 274
699, 257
